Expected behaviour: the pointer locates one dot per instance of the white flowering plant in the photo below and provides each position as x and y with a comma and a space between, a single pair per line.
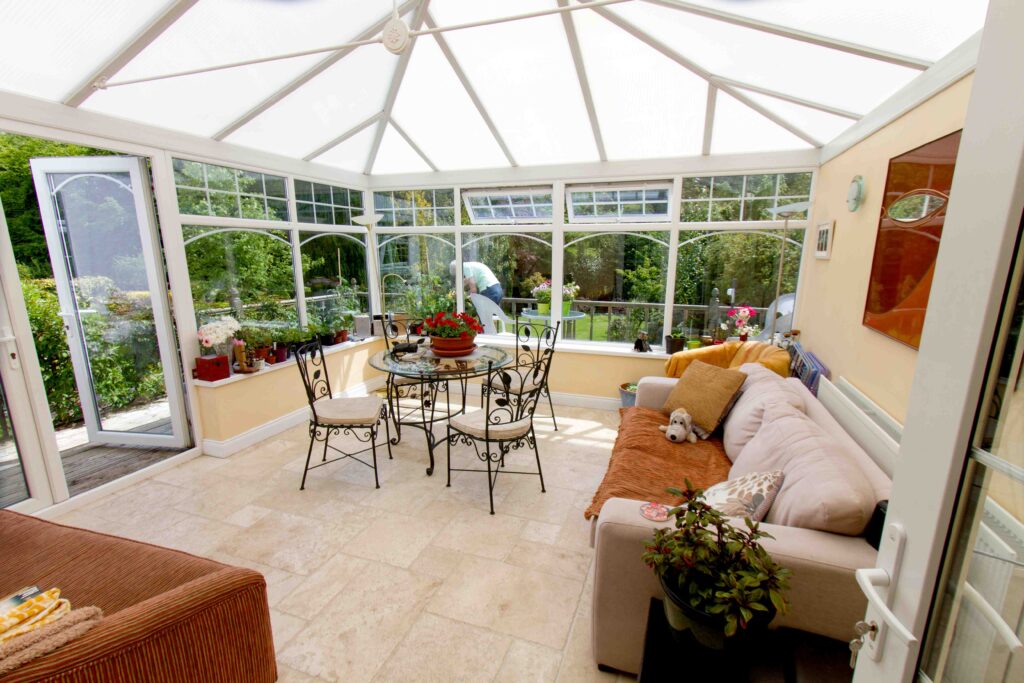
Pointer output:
217, 332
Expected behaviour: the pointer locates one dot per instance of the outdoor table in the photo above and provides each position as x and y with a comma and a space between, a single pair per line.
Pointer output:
568, 319
438, 376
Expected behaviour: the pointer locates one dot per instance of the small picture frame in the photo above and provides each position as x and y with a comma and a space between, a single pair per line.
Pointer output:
823, 240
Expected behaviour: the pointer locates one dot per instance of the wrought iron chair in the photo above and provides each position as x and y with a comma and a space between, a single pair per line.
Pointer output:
398, 387
505, 423
358, 416
531, 345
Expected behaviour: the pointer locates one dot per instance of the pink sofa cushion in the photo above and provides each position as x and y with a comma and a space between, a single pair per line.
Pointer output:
762, 388
823, 487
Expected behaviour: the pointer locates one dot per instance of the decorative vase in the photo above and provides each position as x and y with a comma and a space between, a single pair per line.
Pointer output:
452, 347
544, 309
743, 337
280, 352
566, 305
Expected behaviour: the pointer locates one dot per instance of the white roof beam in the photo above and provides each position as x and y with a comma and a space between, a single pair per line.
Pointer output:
836, 111
692, 66
796, 34
311, 73
470, 90
396, 84
128, 52
344, 136
581, 75
709, 119
416, 148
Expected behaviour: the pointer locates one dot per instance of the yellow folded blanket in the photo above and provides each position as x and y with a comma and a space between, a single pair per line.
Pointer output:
35, 612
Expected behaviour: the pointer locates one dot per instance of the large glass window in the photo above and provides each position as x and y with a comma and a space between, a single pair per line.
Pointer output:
636, 203
209, 190
415, 208
717, 270
488, 207
244, 273
518, 261
334, 275
621, 279
416, 273
741, 198
326, 204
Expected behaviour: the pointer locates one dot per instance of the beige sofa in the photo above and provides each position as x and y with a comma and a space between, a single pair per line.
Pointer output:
824, 595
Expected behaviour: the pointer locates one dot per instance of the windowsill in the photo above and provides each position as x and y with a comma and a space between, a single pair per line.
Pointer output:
573, 346
328, 350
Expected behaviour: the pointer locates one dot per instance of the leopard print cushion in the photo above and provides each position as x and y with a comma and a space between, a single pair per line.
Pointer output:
751, 495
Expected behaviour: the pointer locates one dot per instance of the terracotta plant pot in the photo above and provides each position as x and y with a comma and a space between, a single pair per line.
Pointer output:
261, 352
452, 347
340, 336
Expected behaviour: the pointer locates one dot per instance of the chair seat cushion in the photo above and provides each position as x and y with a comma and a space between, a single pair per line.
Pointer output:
357, 411
475, 423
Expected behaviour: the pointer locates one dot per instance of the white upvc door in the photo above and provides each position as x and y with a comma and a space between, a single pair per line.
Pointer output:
31, 476
101, 232
965, 335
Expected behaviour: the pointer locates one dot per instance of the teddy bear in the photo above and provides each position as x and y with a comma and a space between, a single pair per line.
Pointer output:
680, 427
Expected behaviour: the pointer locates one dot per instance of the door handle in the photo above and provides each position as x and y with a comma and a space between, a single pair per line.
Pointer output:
8, 339
869, 581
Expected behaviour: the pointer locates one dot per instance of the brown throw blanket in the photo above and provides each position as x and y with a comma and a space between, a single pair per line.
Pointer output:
24, 648
644, 463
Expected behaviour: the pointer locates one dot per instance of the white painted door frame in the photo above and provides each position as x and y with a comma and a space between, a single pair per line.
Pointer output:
974, 261
23, 385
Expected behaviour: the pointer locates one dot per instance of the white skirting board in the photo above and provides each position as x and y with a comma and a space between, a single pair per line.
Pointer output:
228, 447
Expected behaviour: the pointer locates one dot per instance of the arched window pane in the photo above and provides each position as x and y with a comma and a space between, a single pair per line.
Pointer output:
737, 268
621, 278
518, 262
415, 272
334, 275
243, 273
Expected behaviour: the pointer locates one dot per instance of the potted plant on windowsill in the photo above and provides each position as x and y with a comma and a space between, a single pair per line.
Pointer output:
719, 582
215, 336
542, 293
741, 317
343, 325
675, 341
452, 334
570, 290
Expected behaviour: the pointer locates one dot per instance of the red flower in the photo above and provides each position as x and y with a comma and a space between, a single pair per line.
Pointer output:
464, 335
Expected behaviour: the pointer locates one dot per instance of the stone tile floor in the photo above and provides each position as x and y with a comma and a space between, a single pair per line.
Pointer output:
410, 582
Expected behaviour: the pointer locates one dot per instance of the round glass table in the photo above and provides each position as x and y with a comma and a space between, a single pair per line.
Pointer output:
421, 377
568, 319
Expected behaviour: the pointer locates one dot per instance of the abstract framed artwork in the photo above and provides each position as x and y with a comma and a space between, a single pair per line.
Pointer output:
823, 240
909, 231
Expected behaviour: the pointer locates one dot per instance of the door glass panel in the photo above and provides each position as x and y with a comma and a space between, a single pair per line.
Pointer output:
12, 476
980, 603
113, 304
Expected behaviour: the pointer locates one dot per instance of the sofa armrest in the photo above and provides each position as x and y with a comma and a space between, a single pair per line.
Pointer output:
652, 392
213, 628
823, 592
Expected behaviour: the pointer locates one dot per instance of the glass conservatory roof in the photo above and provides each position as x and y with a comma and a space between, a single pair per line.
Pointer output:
584, 81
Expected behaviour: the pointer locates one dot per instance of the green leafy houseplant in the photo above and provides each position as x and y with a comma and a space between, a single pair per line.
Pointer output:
717, 573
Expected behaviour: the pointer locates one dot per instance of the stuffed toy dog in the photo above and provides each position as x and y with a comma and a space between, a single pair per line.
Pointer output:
680, 427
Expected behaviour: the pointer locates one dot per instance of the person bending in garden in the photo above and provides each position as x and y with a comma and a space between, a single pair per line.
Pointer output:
480, 279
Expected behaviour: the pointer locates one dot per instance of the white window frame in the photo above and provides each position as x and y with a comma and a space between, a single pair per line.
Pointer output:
776, 198
531, 192
433, 207
665, 186
351, 209
237, 192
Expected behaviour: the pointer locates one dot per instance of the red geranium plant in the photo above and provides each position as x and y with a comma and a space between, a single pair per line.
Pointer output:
452, 325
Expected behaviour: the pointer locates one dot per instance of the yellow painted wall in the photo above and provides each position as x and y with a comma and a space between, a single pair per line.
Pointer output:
234, 408
599, 375
832, 293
